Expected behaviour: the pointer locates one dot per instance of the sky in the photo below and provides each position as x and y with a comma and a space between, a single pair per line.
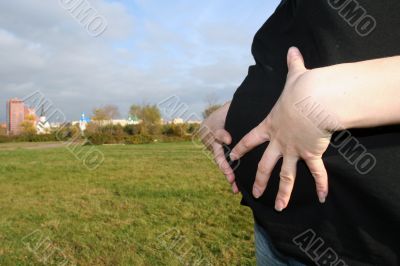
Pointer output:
149, 50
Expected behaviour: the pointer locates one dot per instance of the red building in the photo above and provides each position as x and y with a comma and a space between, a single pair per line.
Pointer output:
17, 112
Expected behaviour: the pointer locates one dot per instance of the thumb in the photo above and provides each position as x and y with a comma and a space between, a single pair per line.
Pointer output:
295, 60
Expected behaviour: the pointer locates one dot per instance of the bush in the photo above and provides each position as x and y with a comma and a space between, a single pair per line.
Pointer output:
4, 139
66, 132
112, 134
29, 138
167, 139
132, 129
109, 134
99, 139
139, 139
177, 130
193, 128
36, 138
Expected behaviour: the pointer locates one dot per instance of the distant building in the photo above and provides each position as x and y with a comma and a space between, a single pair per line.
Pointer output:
194, 122
122, 122
17, 112
133, 120
178, 121
43, 126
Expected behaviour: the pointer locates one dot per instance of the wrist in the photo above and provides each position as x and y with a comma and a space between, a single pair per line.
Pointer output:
337, 92
320, 102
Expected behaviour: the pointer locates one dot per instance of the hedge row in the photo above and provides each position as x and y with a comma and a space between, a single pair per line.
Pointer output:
113, 134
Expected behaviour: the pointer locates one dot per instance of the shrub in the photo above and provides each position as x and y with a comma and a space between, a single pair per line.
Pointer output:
99, 139
177, 130
4, 139
132, 129
193, 128
139, 139
109, 134
36, 138
28, 137
66, 132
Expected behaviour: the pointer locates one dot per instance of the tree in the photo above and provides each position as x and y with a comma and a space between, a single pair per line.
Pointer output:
28, 126
150, 116
3, 130
105, 113
136, 110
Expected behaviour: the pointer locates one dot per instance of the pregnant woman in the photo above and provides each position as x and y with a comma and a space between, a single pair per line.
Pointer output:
322, 103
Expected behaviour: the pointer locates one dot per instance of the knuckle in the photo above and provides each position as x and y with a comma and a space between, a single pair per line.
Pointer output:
284, 196
218, 153
218, 135
222, 165
286, 178
260, 181
263, 169
318, 175
246, 143
218, 159
305, 155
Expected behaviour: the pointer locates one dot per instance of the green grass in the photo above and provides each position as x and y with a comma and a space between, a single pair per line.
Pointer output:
158, 204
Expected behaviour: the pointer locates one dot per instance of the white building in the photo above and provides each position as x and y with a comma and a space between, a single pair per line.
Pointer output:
43, 126
132, 120
178, 121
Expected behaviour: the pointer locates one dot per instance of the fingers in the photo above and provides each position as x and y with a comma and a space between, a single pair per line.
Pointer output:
222, 136
286, 184
254, 138
235, 188
207, 138
318, 170
219, 156
295, 60
265, 167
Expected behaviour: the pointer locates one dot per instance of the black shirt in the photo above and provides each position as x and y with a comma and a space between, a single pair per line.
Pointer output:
361, 216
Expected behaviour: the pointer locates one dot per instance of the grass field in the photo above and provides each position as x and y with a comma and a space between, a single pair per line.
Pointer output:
158, 204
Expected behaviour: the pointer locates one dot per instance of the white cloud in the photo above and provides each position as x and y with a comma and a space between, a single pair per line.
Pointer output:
148, 58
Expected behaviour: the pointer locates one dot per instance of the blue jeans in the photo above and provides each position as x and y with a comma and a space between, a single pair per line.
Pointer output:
266, 254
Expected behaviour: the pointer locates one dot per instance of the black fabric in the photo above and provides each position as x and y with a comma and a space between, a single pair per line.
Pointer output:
360, 218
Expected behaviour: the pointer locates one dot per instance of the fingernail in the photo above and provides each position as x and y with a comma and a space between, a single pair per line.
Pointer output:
279, 205
322, 196
233, 157
256, 192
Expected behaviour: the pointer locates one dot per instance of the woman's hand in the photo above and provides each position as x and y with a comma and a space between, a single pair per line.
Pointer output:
291, 135
214, 137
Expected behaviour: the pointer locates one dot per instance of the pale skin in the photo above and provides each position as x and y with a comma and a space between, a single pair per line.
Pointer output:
214, 136
355, 95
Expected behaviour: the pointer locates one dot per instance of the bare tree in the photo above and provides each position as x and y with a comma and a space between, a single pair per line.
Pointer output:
107, 112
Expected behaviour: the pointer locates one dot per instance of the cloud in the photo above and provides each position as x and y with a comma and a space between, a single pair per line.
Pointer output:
150, 50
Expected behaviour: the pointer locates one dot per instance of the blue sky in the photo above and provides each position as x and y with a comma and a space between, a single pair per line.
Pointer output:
150, 50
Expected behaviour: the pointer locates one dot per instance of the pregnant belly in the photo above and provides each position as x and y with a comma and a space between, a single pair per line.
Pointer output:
251, 103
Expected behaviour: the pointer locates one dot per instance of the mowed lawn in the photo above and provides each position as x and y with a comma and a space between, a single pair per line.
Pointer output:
155, 204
